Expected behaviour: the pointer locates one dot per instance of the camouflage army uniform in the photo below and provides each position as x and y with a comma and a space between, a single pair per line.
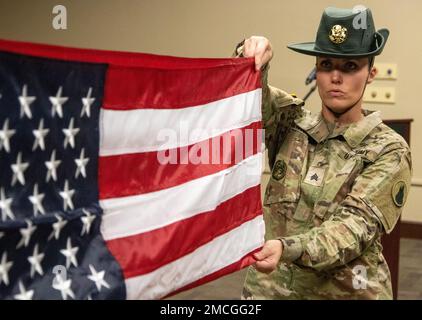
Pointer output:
333, 192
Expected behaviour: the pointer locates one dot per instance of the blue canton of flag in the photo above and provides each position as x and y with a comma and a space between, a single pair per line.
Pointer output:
50, 241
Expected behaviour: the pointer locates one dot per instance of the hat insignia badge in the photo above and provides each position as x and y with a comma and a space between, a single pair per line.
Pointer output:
338, 34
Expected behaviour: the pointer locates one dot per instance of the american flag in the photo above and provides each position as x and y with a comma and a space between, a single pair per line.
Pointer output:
112, 185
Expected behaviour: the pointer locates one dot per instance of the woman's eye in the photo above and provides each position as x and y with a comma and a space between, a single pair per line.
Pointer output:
325, 64
350, 66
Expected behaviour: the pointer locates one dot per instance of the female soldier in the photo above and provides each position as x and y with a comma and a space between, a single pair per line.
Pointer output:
339, 179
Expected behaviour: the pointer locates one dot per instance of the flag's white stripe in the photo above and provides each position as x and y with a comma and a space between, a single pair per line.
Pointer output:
211, 257
142, 213
145, 130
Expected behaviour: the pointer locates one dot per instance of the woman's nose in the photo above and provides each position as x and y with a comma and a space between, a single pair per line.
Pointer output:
336, 76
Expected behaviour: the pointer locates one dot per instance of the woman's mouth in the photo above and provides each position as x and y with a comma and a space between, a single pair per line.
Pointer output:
335, 93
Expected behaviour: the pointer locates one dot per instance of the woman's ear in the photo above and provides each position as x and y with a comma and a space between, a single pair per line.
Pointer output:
372, 74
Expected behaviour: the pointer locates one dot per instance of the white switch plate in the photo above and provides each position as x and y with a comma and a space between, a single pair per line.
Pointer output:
386, 71
380, 95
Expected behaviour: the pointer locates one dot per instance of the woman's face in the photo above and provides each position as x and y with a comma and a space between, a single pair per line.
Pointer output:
341, 81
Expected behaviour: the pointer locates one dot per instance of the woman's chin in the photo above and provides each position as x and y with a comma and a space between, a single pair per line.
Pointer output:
337, 108
337, 105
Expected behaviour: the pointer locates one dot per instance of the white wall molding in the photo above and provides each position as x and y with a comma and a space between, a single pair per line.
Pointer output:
416, 182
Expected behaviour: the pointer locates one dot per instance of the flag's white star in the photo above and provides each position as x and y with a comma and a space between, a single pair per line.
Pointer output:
98, 278
26, 234
39, 136
63, 286
5, 135
67, 195
25, 102
57, 227
24, 295
81, 164
36, 200
70, 254
5, 204
4, 269
87, 102
35, 261
87, 221
18, 169
70, 134
52, 167
57, 103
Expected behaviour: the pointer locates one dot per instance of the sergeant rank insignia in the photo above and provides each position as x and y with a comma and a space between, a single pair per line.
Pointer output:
315, 176
279, 170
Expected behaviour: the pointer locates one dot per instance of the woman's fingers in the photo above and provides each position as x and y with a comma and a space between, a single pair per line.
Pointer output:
250, 46
260, 49
260, 53
268, 257
265, 266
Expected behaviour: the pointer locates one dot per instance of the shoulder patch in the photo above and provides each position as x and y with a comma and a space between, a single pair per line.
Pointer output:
279, 170
399, 193
387, 196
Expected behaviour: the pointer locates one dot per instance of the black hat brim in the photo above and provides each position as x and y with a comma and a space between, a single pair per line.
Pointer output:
308, 48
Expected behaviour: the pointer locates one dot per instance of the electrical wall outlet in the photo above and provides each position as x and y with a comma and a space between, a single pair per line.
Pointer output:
380, 95
386, 71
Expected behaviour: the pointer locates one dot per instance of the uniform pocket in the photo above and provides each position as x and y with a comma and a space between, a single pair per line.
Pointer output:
282, 191
284, 184
282, 198
337, 187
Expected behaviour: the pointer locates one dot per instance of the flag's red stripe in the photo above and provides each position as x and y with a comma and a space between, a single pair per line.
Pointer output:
133, 174
145, 252
236, 266
138, 80
129, 88
119, 58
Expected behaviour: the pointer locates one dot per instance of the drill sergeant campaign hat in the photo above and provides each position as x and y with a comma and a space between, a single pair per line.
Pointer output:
344, 33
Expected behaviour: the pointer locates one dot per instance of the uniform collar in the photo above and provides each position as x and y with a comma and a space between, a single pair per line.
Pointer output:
319, 130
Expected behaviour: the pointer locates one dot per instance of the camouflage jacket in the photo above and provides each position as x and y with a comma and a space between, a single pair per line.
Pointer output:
333, 191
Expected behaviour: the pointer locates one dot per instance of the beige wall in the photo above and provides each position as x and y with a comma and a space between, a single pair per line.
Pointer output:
210, 28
